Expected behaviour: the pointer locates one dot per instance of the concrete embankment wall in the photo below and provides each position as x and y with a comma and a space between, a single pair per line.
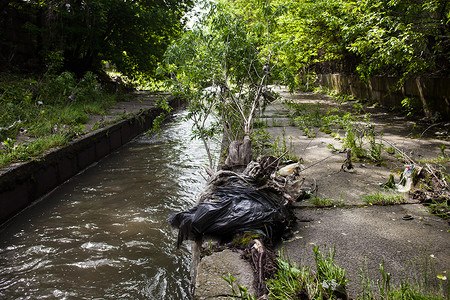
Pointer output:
433, 93
21, 185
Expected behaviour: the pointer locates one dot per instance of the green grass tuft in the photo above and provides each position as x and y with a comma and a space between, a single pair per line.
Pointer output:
384, 199
325, 202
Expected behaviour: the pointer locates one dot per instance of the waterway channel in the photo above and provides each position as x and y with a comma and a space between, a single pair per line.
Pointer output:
103, 234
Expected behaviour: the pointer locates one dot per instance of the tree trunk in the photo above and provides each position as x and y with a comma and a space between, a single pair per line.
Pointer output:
239, 153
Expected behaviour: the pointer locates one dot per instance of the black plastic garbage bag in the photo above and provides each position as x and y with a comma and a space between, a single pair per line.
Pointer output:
238, 209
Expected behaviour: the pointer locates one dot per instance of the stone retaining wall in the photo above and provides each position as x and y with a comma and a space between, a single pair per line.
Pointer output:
433, 93
21, 185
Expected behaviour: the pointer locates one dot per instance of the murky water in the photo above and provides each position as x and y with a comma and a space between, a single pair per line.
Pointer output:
104, 234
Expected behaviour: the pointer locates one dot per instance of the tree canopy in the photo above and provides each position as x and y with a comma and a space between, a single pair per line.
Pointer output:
401, 38
78, 35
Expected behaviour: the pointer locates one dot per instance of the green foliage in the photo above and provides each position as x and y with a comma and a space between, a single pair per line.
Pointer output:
293, 282
15, 152
412, 106
395, 36
360, 135
290, 280
327, 269
368, 37
241, 293
261, 142
384, 199
163, 104
375, 148
49, 110
245, 239
383, 289
325, 202
264, 144
78, 35
439, 207
218, 68
390, 184
358, 132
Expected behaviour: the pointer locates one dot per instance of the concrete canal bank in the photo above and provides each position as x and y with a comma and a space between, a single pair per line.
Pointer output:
411, 243
22, 184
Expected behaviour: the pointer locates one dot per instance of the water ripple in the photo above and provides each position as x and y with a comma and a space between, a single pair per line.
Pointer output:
98, 246
104, 234
96, 263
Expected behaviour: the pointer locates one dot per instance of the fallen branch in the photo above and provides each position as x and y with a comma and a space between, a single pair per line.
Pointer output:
433, 125
403, 154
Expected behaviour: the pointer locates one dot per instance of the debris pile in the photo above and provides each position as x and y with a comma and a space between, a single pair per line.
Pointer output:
253, 203
256, 200
432, 190
229, 210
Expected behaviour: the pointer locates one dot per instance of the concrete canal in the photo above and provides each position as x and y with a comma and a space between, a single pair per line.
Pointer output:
103, 234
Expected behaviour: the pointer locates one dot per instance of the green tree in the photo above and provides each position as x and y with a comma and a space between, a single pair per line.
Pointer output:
403, 38
133, 35
219, 68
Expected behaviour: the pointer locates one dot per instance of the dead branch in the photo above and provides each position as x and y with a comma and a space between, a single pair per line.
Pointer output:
403, 154
434, 125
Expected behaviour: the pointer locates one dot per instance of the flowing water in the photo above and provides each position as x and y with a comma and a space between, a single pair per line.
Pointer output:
103, 234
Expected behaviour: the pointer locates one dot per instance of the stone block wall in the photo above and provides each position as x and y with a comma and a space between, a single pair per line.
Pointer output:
433, 93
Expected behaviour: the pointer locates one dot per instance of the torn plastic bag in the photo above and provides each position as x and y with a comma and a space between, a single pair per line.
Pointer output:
238, 209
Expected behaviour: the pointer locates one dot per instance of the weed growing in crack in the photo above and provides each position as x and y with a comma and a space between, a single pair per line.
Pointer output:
439, 208
375, 148
424, 286
327, 269
384, 199
358, 133
306, 116
354, 136
293, 282
280, 147
325, 202
329, 281
241, 292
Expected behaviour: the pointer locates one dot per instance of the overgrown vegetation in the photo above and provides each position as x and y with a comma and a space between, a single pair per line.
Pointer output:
329, 281
422, 287
354, 131
44, 112
82, 35
263, 144
52, 52
292, 282
366, 37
